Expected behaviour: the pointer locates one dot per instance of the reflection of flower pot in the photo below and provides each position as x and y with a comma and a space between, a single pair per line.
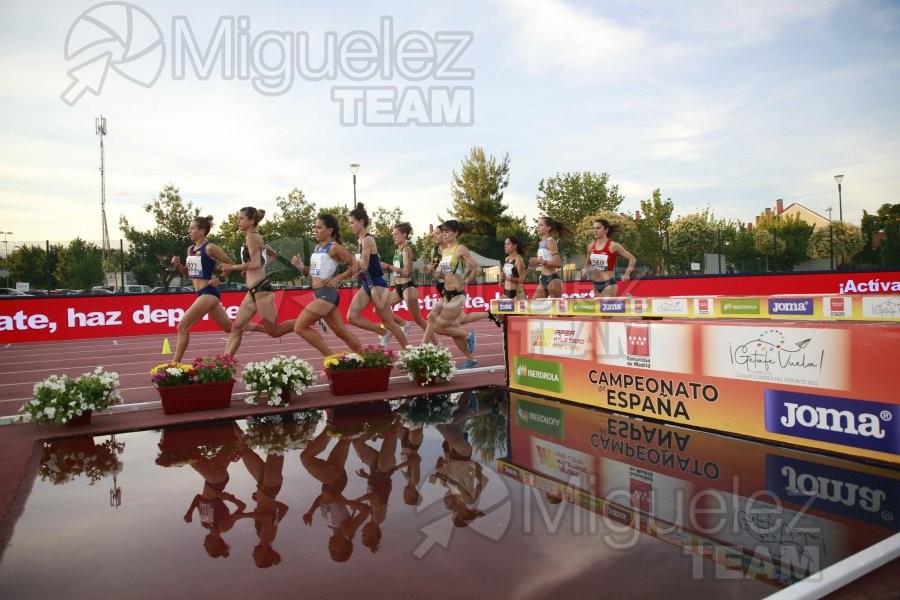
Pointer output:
358, 381
174, 438
365, 418
83, 419
198, 396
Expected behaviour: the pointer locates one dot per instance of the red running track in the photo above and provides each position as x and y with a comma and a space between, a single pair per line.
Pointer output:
133, 357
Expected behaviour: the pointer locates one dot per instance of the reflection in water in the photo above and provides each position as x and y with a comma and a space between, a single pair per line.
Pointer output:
492, 484
209, 452
735, 502
65, 460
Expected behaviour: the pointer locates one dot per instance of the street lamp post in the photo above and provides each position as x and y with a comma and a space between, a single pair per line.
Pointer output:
831, 237
6, 254
839, 179
354, 167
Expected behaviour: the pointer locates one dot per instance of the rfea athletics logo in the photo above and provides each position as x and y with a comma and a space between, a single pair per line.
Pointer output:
848, 422
539, 374
790, 306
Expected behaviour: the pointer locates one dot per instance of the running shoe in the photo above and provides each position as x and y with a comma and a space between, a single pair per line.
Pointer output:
385, 338
323, 326
495, 319
468, 364
406, 327
470, 342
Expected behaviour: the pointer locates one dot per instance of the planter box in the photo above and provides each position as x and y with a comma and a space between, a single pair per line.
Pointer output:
199, 396
359, 381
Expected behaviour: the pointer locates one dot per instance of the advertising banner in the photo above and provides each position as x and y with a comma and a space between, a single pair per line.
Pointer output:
771, 512
793, 308
819, 385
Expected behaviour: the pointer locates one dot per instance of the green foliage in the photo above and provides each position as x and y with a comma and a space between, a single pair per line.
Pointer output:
656, 217
785, 239
690, 237
570, 197
80, 265
168, 238
848, 240
477, 191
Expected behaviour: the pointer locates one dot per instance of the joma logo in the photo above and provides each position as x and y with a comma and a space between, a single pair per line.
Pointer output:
844, 421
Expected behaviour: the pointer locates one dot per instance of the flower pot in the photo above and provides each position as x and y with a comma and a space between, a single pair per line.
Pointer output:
198, 396
358, 381
83, 419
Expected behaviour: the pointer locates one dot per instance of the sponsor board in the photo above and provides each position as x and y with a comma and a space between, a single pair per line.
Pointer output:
644, 345
562, 306
540, 306
639, 306
739, 306
790, 306
837, 307
703, 306
506, 306
612, 306
854, 423
803, 356
538, 374
676, 307
541, 418
853, 494
562, 463
883, 307
560, 338
584, 306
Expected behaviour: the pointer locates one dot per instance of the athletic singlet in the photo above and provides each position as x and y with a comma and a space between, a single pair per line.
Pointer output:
602, 259
542, 252
509, 267
374, 266
321, 264
334, 514
449, 262
398, 264
435, 256
200, 265
245, 256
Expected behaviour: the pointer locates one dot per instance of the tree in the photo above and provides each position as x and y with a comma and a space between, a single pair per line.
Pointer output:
29, 264
848, 240
477, 192
571, 197
80, 265
790, 233
656, 217
884, 224
168, 238
296, 216
381, 226
691, 237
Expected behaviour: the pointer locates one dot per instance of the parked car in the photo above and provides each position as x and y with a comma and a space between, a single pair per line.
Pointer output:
133, 289
12, 292
100, 290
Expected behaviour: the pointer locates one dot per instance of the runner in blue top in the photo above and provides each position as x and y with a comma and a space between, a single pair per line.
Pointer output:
373, 287
202, 258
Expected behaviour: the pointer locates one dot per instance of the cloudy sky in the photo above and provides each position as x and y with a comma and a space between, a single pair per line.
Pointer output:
720, 103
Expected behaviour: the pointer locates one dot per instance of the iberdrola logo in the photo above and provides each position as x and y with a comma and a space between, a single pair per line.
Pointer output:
539, 374
521, 369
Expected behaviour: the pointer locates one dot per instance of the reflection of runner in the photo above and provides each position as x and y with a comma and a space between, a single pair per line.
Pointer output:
456, 471
409, 449
210, 503
381, 463
268, 512
342, 515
